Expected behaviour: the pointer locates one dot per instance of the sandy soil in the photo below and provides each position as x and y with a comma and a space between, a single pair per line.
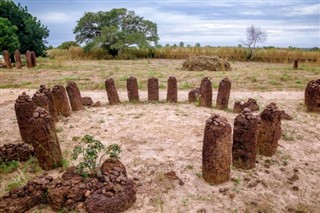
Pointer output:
157, 138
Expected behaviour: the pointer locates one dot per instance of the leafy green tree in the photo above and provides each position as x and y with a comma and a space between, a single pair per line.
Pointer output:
67, 44
31, 33
115, 30
8, 37
181, 44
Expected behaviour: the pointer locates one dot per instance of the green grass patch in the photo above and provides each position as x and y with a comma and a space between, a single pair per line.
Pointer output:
22, 84
8, 167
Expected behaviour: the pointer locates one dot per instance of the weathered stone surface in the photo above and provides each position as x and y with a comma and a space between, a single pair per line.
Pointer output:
194, 95
132, 89
44, 140
41, 100
17, 57
24, 108
153, 89
285, 116
312, 96
269, 131
7, 60
33, 59
223, 94
74, 96
18, 152
87, 101
61, 101
52, 107
250, 103
28, 59
216, 150
97, 104
112, 93
206, 93
172, 91
245, 140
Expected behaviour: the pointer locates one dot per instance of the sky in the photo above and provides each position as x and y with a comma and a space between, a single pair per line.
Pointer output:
217, 23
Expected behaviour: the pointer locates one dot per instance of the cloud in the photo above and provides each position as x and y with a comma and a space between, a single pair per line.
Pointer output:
301, 10
58, 17
251, 13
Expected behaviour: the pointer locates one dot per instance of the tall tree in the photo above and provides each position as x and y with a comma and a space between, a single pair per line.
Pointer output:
254, 35
115, 30
8, 37
31, 33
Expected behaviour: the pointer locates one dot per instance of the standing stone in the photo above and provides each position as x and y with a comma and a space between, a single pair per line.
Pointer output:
206, 93
312, 96
7, 60
172, 91
269, 131
132, 89
216, 150
44, 140
41, 100
87, 101
153, 89
112, 93
52, 107
28, 59
223, 94
245, 140
74, 96
61, 101
17, 57
250, 103
24, 108
33, 59
194, 95
295, 64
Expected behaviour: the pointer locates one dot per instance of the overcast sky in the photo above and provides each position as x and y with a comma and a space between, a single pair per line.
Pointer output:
217, 23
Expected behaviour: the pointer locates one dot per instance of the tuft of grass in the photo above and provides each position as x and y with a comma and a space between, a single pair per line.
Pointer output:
8, 167
22, 84
16, 182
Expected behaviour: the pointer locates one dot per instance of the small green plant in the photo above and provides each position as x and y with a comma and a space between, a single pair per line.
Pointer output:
90, 152
9, 166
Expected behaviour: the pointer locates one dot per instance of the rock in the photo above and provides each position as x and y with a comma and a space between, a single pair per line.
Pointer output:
7, 60
312, 96
17, 57
206, 93
132, 89
28, 59
153, 89
172, 91
194, 95
223, 94
87, 101
74, 96
97, 104
61, 101
112, 93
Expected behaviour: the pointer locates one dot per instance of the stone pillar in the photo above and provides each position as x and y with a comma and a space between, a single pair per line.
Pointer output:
153, 89
216, 150
295, 64
17, 57
269, 131
61, 101
172, 91
44, 140
28, 59
112, 93
132, 89
52, 107
24, 108
41, 100
206, 93
7, 60
33, 59
245, 140
223, 94
74, 96
312, 96
194, 95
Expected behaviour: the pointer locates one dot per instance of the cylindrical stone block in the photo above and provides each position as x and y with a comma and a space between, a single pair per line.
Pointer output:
172, 91
206, 93
153, 89
269, 131
223, 94
41, 100
245, 140
132, 89
193, 95
312, 96
17, 57
33, 59
61, 101
28, 59
74, 96
295, 64
24, 108
44, 140
7, 60
52, 107
216, 150
112, 93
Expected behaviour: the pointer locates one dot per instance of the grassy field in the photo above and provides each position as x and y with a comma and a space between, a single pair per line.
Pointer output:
91, 74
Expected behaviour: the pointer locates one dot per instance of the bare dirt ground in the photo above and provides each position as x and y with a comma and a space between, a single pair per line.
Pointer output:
160, 137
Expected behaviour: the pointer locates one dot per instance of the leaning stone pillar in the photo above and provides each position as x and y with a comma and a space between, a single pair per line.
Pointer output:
17, 57
61, 101
7, 60
44, 140
28, 59
153, 89
223, 94
206, 93
24, 108
312, 96
216, 150
172, 91
33, 59
52, 107
132, 89
112, 93
269, 131
74, 96
244, 140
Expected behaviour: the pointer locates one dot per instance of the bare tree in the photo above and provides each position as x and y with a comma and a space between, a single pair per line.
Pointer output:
254, 35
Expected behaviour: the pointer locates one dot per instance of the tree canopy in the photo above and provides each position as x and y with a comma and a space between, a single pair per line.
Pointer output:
30, 32
254, 35
8, 37
65, 45
115, 30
